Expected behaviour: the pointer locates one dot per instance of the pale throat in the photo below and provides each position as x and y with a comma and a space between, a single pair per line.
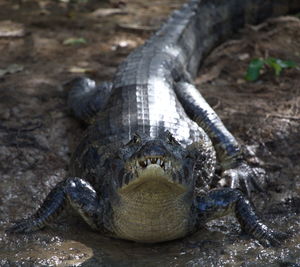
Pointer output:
151, 209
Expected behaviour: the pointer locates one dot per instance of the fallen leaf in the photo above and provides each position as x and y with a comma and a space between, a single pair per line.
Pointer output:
105, 12
80, 70
10, 69
136, 27
11, 29
74, 41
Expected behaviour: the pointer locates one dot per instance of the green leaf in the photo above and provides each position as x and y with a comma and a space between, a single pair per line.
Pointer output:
254, 68
74, 41
277, 64
287, 63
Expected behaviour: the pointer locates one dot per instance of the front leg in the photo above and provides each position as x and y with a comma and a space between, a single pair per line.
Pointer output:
220, 202
236, 171
74, 191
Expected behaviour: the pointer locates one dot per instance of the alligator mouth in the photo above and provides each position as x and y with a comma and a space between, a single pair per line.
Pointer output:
160, 161
152, 170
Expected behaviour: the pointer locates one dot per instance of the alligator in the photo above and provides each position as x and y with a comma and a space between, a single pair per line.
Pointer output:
144, 168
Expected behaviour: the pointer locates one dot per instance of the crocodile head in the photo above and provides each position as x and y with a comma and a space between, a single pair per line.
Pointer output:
155, 189
162, 159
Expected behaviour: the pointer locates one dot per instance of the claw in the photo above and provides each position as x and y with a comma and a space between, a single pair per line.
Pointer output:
273, 238
258, 172
245, 178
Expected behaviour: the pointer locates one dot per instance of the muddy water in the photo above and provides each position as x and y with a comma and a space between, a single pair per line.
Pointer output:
37, 133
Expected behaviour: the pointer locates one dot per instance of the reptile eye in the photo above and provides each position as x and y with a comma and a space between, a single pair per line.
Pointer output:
171, 139
136, 139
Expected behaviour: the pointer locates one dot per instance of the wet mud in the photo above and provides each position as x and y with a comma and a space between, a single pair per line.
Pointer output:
40, 51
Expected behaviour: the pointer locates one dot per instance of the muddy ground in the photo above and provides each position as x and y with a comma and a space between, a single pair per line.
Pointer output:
38, 133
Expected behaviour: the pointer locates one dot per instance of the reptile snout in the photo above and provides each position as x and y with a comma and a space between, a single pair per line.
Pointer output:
152, 149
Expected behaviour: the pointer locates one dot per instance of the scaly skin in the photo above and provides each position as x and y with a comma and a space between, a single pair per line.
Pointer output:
153, 139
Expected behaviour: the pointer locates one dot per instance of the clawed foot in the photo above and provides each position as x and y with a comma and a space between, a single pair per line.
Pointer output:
24, 226
244, 178
272, 238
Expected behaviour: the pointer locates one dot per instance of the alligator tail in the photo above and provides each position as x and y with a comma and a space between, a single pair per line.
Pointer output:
200, 25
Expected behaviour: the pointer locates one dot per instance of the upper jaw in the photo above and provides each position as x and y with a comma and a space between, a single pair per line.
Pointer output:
142, 163
152, 169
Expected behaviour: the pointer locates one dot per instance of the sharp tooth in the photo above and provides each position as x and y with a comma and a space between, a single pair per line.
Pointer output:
145, 162
158, 161
148, 161
168, 164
